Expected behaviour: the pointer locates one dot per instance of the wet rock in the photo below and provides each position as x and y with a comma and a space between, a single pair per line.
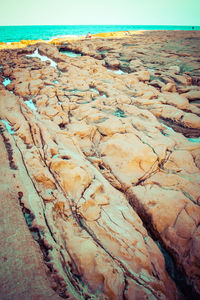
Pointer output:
143, 75
111, 126
106, 163
169, 87
175, 232
176, 100
191, 120
112, 63
128, 155
192, 95
175, 69
73, 178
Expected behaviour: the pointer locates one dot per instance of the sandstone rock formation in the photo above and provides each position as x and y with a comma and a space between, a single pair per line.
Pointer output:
105, 147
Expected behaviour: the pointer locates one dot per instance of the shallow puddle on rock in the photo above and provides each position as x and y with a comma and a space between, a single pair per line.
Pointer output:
43, 58
6, 81
119, 113
97, 91
8, 127
94, 90
76, 91
169, 128
151, 69
83, 102
194, 140
30, 104
70, 53
103, 51
117, 71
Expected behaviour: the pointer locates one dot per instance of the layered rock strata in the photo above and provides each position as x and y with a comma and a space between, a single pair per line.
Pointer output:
108, 142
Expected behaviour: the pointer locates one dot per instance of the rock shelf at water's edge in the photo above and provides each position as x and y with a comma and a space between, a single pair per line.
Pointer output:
100, 181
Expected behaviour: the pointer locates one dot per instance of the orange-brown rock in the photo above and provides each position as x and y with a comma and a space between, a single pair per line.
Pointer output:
102, 153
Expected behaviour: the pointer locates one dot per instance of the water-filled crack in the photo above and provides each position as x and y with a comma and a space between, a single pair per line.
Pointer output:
186, 291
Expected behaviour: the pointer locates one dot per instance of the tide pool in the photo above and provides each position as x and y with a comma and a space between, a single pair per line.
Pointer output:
43, 58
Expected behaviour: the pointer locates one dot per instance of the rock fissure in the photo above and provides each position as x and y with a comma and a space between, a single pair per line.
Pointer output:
126, 271
174, 270
112, 191
8, 146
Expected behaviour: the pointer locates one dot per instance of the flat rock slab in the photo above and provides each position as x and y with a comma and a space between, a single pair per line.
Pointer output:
104, 164
22, 270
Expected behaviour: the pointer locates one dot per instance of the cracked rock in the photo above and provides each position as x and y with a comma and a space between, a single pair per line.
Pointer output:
103, 167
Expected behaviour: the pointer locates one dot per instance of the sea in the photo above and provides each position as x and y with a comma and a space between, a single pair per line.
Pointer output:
48, 32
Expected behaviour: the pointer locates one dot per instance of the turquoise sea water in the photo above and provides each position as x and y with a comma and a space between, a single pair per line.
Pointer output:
47, 32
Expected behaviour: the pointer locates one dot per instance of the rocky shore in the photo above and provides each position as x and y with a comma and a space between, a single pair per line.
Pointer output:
100, 160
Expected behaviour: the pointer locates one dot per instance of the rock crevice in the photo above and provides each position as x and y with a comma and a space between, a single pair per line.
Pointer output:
106, 189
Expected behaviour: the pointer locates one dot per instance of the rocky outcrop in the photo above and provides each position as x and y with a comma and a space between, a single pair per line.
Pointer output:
114, 194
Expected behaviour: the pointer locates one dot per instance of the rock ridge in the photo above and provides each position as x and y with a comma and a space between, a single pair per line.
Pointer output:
105, 148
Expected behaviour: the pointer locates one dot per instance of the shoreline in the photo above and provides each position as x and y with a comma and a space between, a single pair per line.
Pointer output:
59, 40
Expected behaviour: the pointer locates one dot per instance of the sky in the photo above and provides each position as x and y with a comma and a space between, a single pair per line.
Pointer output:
100, 12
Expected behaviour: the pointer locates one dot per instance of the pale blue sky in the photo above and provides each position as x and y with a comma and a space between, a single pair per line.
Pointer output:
76, 12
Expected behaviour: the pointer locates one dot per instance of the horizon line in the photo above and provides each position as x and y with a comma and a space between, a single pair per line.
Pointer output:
101, 25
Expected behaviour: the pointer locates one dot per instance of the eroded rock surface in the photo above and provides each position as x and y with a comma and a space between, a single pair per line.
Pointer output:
109, 141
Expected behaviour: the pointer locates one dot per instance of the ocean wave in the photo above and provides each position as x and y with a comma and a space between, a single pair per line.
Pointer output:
65, 36
49, 32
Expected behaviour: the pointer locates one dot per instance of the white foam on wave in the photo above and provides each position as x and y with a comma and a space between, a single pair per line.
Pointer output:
71, 36
43, 58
